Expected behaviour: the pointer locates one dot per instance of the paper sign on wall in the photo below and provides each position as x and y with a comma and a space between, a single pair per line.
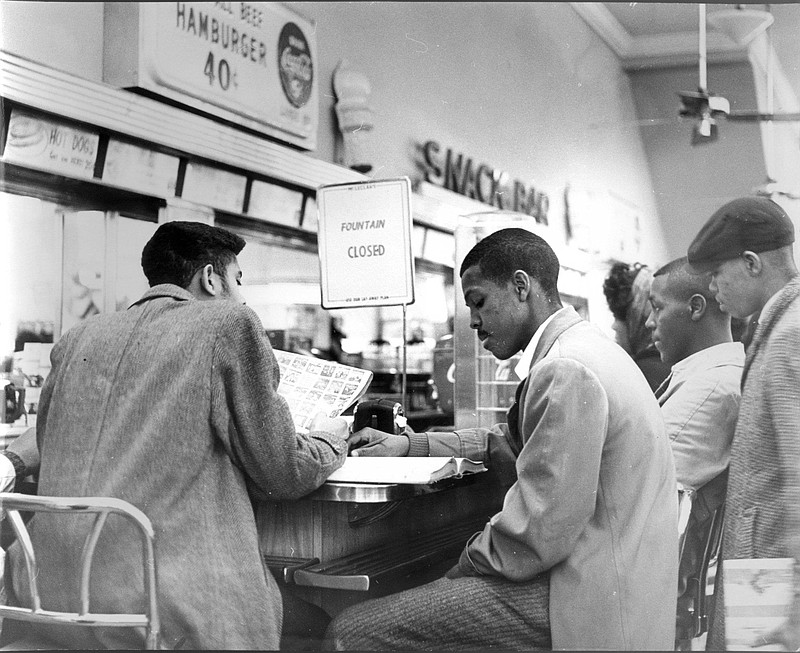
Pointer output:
50, 145
364, 240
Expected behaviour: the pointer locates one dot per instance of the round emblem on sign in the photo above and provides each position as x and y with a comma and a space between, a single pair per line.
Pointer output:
294, 65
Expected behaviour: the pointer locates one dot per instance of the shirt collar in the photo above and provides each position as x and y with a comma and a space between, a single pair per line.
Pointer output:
164, 290
524, 364
723, 353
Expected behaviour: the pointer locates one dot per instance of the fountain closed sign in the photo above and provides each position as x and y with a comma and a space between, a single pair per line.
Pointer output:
364, 242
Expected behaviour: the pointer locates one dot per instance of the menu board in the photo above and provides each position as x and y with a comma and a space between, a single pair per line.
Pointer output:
275, 203
364, 241
140, 169
41, 143
214, 187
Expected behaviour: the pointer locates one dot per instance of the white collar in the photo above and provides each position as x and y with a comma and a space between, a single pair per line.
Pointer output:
523, 366
722, 353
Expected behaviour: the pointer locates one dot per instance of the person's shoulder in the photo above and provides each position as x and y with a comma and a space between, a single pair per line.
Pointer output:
230, 316
717, 380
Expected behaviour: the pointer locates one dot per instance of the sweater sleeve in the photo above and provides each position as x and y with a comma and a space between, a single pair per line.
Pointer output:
254, 421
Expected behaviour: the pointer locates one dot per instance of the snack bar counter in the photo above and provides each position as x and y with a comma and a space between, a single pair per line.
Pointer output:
348, 542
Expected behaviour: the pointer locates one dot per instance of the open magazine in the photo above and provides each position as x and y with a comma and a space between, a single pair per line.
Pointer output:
311, 385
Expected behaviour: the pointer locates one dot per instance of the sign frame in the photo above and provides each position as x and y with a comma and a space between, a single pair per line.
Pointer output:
365, 230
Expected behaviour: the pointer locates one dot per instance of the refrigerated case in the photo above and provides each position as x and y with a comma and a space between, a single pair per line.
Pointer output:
484, 386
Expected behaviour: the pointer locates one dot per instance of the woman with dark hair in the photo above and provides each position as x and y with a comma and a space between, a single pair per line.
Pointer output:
627, 291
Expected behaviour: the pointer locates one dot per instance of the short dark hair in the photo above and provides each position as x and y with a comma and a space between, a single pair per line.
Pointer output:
503, 252
684, 281
178, 250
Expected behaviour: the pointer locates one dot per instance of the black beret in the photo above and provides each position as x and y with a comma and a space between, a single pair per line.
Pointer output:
756, 224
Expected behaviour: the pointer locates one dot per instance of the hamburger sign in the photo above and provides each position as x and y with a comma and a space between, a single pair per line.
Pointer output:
251, 63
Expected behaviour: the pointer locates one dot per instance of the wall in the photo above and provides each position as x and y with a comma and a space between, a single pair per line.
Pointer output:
692, 181
67, 36
524, 87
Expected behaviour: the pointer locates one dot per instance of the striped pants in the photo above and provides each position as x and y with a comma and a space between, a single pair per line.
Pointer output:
471, 613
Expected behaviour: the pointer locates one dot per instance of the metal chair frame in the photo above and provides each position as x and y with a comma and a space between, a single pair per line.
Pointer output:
698, 581
12, 504
696, 611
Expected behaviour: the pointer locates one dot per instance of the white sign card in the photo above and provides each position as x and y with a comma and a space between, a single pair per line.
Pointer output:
218, 188
275, 203
140, 168
46, 144
364, 240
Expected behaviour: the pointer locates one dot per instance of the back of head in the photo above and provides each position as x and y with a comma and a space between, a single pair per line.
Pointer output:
627, 291
178, 250
501, 253
617, 288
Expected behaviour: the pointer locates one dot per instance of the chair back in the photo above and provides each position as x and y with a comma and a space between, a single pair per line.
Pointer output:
12, 504
700, 542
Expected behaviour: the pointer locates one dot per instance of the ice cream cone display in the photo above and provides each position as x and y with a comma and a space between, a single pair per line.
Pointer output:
354, 115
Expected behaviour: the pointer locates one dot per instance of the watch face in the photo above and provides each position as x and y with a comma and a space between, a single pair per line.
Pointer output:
295, 65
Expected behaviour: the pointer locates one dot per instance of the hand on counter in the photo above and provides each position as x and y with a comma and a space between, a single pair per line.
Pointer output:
371, 442
337, 426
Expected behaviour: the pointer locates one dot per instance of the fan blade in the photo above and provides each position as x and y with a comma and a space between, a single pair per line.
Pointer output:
752, 116
704, 132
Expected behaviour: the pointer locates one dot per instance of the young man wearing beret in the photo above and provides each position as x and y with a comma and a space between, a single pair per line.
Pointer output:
747, 247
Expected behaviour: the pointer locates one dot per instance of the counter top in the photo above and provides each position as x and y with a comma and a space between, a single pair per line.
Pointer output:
382, 492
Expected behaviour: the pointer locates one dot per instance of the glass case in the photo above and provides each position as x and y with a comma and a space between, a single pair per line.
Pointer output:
484, 386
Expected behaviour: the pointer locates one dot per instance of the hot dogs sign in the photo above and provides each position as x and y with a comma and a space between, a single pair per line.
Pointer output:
40, 143
364, 243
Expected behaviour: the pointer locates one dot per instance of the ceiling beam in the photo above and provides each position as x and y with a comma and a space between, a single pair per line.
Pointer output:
655, 50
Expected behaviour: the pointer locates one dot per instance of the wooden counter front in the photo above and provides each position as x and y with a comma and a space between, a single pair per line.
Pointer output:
390, 538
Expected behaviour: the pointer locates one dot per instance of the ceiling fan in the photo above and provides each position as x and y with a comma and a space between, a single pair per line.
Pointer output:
707, 108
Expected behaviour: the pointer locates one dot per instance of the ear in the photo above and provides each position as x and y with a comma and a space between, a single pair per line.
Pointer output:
697, 307
206, 280
522, 284
752, 262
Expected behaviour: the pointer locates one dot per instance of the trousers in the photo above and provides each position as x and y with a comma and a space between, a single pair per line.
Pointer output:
468, 613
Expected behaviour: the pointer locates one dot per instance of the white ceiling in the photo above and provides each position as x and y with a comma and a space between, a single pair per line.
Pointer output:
646, 34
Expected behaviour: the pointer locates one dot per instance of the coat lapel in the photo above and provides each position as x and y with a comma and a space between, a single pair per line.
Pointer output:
553, 331
765, 323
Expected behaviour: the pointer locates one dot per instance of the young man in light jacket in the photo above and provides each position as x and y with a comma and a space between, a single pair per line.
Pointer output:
583, 554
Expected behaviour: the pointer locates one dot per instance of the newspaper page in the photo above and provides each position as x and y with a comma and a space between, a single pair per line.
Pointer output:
311, 385
758, 596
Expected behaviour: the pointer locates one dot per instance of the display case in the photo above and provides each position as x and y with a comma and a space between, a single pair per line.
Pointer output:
484, 386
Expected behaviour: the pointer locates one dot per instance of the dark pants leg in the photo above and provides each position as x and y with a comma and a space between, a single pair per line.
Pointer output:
474, 613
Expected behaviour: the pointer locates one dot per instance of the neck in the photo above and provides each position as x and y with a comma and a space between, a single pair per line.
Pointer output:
710, 338
775, 282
